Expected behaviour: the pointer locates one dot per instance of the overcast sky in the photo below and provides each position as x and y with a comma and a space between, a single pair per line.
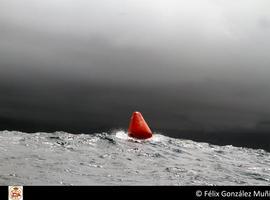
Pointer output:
211, 53
158, 40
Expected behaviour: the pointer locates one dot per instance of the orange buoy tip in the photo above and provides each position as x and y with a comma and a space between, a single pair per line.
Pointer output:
138, 127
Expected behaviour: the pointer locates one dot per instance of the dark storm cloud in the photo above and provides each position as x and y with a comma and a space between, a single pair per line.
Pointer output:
195, 68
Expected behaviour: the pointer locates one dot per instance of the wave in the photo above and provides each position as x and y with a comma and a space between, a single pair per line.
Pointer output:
62, 158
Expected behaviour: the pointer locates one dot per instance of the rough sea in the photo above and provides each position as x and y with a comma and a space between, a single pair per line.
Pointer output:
62, 158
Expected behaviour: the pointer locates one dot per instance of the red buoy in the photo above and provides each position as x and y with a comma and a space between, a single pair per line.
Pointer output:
138, 128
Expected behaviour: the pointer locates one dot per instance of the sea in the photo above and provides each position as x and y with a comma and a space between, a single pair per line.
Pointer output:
62, 158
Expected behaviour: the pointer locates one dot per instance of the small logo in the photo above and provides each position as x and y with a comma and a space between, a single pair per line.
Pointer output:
15, 192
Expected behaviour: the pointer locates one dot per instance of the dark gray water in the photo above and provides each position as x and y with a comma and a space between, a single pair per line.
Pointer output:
62, 158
